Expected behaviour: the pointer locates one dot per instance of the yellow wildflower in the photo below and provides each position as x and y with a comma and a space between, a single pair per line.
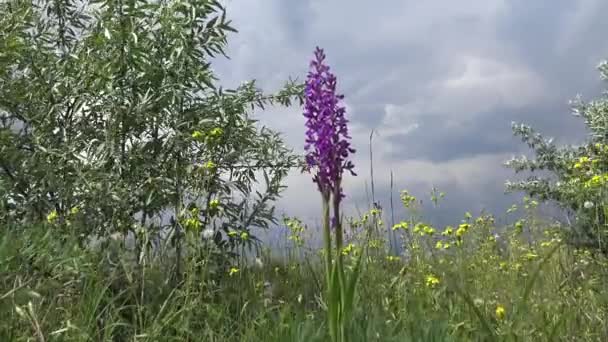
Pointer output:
407, 199
214, 204
192, 224
197, 135
595, 181
432, 281
439, 244
401, 225
500, 312
74, 210
449, 230
348, 249
52, 216
210, 165
233, 271
216, 132
460, 231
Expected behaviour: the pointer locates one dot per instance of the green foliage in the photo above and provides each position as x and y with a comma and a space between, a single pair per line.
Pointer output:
505, 287
576, 178
111, 120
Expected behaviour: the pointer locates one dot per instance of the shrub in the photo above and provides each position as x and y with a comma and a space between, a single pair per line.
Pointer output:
576, 177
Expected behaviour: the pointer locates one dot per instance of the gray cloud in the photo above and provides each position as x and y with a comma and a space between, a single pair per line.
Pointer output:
440, 81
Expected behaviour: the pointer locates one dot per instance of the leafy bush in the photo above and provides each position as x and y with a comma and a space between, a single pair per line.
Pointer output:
111, 120
577, 176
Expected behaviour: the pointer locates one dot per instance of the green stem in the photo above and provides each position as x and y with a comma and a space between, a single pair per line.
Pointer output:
340, 263
327, 240
331, 302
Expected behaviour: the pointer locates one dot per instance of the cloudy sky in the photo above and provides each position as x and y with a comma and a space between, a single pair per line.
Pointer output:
440, 81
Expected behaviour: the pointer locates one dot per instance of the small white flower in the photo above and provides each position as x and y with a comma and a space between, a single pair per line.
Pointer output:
259, 263
588, 205
207, 233
558, 184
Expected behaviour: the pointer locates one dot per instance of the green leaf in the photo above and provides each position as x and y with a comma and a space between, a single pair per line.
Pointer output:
349, 295
334, 304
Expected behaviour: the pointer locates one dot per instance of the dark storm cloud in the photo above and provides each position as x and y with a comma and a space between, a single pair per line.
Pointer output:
440, 81
489, 133
561, 40
447, 144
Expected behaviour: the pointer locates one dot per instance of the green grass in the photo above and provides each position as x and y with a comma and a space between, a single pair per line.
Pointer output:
53, 290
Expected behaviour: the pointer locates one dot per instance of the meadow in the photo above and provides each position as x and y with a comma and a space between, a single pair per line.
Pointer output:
463, 284
132, 186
